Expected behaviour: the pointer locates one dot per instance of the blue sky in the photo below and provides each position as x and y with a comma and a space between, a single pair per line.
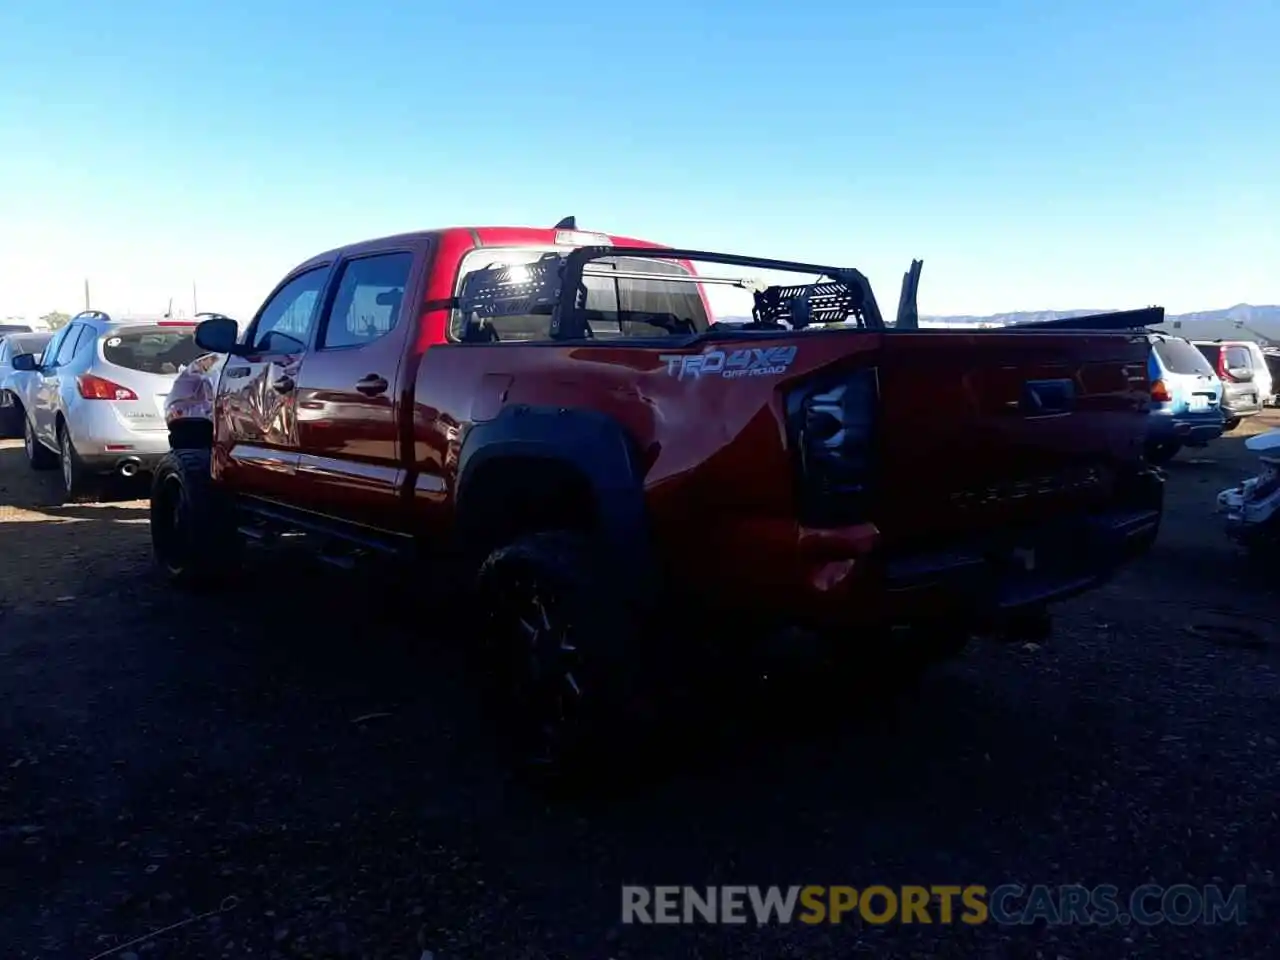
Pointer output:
1034, 155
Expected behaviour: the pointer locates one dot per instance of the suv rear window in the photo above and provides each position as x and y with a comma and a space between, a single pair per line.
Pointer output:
1239, 357
1178, 356
160, 350
624, 307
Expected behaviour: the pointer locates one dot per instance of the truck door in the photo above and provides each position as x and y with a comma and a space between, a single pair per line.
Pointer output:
255, 422
350, 396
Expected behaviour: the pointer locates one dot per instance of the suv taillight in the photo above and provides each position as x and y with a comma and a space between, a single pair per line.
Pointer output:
1224, 374
1160, 392
832, 425
100, 388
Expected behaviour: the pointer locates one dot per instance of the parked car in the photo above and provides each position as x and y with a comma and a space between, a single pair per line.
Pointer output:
8, 328
557, 418
1251, 509
1272, 357
1246, 379
1186, 398
93, 402
12, 344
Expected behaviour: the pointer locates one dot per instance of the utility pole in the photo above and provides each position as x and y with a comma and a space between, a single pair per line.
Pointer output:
168, 314
86, 293
195, 304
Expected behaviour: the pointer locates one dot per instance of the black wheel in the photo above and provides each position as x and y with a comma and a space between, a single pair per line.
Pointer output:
10, 418
1230, 424
193, 533
39, 456
554, 641
77, 482
1162, 451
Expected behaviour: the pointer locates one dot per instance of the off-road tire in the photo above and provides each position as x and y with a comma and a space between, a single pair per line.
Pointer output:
1160, 453
39, 457
78, 484
566, 694
193, 533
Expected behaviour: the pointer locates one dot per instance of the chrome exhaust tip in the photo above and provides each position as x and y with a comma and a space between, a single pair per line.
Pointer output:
129, 468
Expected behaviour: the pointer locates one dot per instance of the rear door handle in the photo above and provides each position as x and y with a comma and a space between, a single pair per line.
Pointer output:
282, 384
372, 385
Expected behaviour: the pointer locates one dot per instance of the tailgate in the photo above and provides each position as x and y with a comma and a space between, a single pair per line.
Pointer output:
989, 429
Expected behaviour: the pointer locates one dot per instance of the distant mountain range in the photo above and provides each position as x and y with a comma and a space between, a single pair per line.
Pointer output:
1241, 322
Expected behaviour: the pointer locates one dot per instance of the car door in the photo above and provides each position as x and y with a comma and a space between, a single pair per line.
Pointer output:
349, 396
255, 425
49, 387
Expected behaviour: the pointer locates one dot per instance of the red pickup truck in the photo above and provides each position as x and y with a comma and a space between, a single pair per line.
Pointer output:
560, 417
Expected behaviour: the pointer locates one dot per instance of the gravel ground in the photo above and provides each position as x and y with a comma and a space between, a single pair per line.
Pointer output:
299, 775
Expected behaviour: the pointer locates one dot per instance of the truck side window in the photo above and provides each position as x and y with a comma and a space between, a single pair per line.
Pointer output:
367, 305
284, 325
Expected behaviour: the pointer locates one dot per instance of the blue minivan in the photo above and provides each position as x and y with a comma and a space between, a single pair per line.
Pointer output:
1186, 398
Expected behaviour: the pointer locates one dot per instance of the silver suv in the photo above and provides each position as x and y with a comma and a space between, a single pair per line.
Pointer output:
94, 403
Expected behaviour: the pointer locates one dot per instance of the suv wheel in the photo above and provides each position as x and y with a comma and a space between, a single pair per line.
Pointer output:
553, 642
38, 456
193, 534
76, 481
1230, 424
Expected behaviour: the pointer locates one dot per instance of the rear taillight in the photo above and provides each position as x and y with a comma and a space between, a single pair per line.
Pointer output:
1223, 373
831, 424
100, 388
1160, 392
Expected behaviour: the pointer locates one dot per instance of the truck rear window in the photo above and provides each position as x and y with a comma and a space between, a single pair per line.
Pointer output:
1178, 356
160, 350
615, 308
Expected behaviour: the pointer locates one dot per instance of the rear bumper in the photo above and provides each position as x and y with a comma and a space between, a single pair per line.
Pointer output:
121, 462
104, 444
1239, 407
975, 583
1020, 571
1193, 431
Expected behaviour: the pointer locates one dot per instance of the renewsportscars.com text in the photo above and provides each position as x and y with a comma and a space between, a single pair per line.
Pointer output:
1007, 904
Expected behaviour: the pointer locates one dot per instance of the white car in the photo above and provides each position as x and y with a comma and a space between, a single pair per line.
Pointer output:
12, 344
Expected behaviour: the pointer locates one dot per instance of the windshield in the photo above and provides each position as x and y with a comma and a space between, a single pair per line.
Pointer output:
1178, 356
160, 350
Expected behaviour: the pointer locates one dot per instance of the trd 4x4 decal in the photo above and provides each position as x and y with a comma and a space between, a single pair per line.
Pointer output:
745, 362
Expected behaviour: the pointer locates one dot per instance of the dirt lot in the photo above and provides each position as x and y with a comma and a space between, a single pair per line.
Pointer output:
303, 767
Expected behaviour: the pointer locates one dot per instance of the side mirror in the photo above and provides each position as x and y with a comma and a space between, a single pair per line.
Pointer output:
26, 362
217, 335
1243, 374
